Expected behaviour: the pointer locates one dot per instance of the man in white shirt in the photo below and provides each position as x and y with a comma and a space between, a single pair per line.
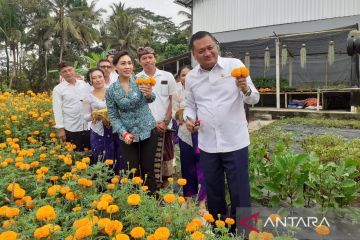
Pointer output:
214, 107
68, 108
106, 66
161, 109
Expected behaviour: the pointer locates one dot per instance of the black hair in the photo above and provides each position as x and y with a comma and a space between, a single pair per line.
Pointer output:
198, 35
88, 74
102, 60
63, 64
118, 56
182, 68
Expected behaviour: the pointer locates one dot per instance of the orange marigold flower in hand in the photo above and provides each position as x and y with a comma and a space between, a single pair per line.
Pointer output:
242, 72
137, 232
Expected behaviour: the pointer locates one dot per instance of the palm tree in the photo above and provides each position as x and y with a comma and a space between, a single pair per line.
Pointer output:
186, 25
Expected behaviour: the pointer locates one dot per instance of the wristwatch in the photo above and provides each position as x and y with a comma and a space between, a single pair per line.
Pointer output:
248, 92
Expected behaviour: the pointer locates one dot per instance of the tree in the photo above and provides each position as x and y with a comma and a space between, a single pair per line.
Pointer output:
186, 25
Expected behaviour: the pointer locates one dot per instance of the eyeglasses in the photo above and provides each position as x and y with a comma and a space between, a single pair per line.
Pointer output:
105, 67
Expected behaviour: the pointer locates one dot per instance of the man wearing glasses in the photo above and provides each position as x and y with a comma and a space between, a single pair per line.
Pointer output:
107, 68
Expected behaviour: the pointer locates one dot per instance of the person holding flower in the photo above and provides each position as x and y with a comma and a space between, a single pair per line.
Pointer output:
104, 143
131, 118
188, 144
216, 97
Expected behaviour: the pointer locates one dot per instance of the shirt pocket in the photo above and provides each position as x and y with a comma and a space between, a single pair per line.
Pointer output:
164, 88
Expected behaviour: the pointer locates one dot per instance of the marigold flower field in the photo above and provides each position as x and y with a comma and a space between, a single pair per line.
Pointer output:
48, 191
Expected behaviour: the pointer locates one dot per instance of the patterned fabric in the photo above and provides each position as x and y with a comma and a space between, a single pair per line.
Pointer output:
129, 111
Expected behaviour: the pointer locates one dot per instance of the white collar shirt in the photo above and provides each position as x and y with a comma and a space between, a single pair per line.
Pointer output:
213, 97
164, 88
68, 105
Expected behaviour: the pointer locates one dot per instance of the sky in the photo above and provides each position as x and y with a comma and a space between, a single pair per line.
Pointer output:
166, 8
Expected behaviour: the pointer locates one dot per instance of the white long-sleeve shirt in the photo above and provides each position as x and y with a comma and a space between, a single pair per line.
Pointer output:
219, 104
68, 105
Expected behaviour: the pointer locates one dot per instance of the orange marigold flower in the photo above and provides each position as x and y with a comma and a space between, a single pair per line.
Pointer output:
220, 223
162, 233
169, 198
64, 190
107, 198
53, 190
42, 232
70, 196
82, 222
19, 193
134, 199
8, 223
229, 221
113, 227
76, 209
85, 160
46, 213
109, 162
182, 181
83, 232
123, 180
115, 180
191, 227
170, 180
121, 236
137, 232
145, 188
12, 212
7, 132
208, 217
8, 235
181, 200
112, 209
197, 236
102, 205
110, 186
242, 72
137, 180
12, 186
322, 230
80, 165
103, 222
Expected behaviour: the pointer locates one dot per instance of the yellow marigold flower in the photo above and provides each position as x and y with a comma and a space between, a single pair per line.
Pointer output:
112, 209
145, 188
12, 212
103, 222
229, 221
170, 180
322, 230
109, 162
54, 178
85, 160
182, 181
42, 156
197, 236
53, 190
208, 217
76, 209
107, 198
137, 232
134, 199
133, 170
110, 186
121, 236
85, 182
102, 205
13, 118
83, 232
8, 223
181, 200
70, 196
81, 222
137, 180
44, 169
46, 213
220, 223
191, 227
113, 227
36, 132
169, 198
8, 235
42, 232
52, 135
91, 212
40, 119
197, 222
3, 164
34, 164
7, 132
162, 233
30, 204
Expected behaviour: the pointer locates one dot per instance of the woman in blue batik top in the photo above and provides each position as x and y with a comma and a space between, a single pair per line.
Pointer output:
131, 118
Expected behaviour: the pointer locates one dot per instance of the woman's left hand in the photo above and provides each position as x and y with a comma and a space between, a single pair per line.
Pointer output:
146, 90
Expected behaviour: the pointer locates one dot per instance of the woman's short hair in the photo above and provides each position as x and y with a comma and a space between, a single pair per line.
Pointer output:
88, 74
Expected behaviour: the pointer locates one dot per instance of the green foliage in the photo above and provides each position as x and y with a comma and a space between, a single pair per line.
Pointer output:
269, 82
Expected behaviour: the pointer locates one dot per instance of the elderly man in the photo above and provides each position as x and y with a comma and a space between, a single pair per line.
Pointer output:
68, 108
161, 109
214, 107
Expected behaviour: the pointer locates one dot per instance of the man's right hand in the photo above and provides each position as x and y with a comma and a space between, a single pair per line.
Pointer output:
61, 134
160, 126
191, 126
